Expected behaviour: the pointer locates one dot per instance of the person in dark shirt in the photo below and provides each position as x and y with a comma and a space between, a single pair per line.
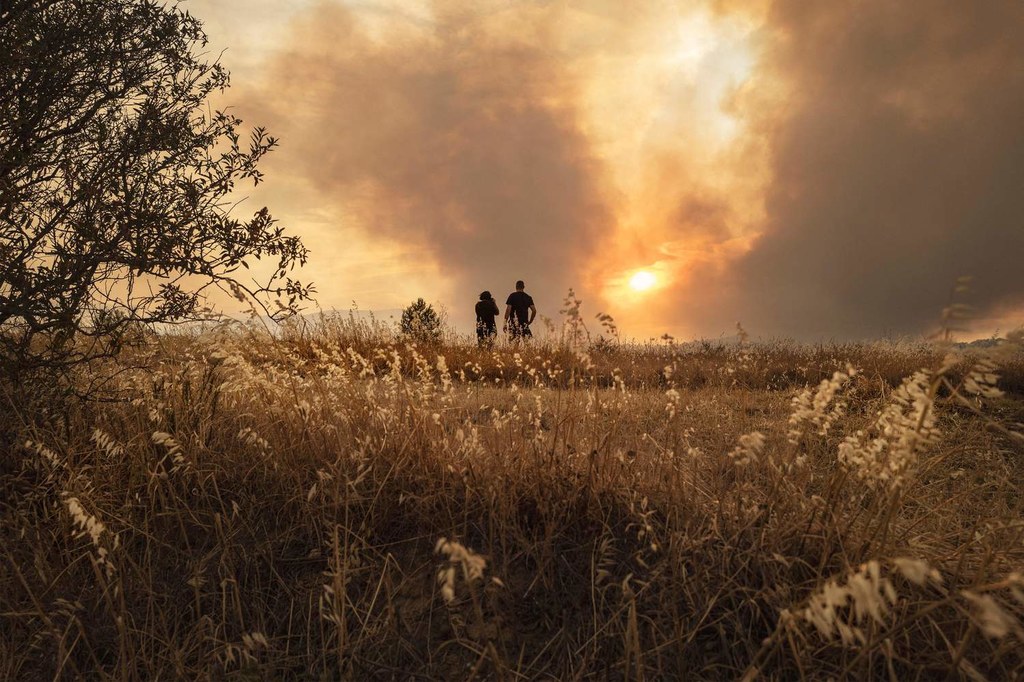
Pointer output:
519, 312
486, 311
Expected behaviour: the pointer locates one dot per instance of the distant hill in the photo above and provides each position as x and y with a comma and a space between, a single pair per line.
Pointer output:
380, 315
990, 342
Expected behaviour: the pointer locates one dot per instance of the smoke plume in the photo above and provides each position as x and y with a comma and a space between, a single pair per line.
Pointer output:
896, 164
456, 135
811, 169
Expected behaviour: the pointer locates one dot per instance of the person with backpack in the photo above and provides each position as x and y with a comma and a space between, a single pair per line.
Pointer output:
486, 327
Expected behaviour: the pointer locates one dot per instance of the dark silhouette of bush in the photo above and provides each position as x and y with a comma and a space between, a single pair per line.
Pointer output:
420, 321
115, 179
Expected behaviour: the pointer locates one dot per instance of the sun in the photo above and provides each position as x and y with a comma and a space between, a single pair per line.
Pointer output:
642, 281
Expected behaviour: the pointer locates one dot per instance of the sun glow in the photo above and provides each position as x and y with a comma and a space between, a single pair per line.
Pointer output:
642, 281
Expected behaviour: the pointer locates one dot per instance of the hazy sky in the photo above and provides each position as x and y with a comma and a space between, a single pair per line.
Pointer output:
816, 170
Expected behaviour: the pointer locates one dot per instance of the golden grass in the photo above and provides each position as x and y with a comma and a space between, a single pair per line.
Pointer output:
331, 502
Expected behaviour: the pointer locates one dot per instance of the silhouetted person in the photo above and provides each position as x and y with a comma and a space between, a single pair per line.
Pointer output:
519, 312
486, 327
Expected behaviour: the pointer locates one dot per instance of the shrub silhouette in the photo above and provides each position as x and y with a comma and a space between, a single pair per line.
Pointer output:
420, 321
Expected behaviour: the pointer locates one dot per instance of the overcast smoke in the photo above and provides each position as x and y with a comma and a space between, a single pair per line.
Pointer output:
450, 138
897, 165
890, 138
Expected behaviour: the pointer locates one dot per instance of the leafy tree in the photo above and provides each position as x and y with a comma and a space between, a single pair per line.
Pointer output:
421, 321
115, 178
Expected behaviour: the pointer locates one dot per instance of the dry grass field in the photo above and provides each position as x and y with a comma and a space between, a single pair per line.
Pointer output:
334, 502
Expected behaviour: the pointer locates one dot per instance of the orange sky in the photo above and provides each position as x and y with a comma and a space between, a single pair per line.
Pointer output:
811, 171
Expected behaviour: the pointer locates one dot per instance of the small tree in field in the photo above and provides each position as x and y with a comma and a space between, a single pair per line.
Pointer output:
115, 179
420, 321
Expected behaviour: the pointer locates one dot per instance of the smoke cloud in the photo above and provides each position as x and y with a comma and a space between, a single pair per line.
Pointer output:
812, 170
454, 134
896, 164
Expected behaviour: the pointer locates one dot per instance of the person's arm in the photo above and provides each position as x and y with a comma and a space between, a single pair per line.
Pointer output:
494, 306
508, 311
533, 313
